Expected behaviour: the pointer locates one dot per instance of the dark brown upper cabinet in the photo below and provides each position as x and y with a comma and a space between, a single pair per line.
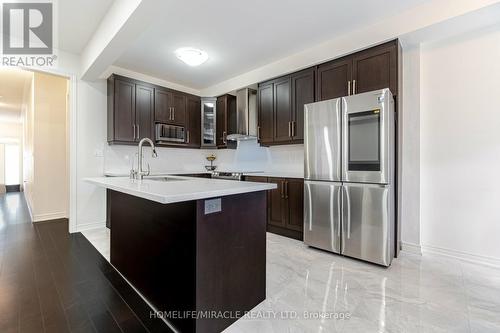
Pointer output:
281, 107
130, 110
265, 131
179, 109
135, 106
303, 90
334, 79
193, 121
170, 107
368, 70
163, 106
282, 110
144, 109
225, 119
376, 68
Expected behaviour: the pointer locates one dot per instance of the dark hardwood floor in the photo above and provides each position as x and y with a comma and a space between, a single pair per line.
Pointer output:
53, 281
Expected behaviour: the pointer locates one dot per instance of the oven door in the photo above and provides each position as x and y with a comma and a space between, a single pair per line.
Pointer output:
368, 137
165, 133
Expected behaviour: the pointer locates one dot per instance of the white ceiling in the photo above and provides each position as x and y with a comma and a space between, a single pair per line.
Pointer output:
12, 84
241, 36
77, 21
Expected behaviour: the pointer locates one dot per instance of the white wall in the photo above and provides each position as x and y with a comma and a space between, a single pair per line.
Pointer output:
248, 157
45, 151
91, 140
409, 120
460, 146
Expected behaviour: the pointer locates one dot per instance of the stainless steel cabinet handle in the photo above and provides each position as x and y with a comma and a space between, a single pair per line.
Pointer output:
354, 87
224, 137
289, 128
258, 132
138, 135
349, 88
286, 189
282, 190
169, 113
133, 126
293, 128
187, 137
173, 113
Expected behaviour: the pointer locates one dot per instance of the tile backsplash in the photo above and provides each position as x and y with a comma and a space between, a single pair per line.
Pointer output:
249, 156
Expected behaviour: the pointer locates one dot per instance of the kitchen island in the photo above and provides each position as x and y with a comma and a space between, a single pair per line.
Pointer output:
194, 248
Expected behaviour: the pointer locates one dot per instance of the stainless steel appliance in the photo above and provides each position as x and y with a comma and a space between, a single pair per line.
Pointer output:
227, 175
165, 133
246, 116
349, 176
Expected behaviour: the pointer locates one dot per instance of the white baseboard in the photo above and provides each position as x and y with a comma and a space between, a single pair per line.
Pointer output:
463, 256
90, 225
48, 216
411, 248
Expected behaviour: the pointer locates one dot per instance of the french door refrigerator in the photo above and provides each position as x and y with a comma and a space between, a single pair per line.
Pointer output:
349, 175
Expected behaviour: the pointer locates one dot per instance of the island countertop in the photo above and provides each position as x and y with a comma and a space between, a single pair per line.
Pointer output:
178, 188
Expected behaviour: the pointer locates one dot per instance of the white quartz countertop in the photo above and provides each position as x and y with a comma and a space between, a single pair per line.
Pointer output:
178, 188
273, 173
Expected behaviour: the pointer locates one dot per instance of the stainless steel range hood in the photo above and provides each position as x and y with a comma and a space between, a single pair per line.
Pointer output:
246, 116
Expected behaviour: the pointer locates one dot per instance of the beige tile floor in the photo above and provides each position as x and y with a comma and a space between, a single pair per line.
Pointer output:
416, 294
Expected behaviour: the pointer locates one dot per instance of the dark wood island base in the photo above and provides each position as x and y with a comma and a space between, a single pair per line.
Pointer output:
188, 263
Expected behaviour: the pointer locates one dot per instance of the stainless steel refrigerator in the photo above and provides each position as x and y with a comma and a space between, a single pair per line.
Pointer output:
349, 175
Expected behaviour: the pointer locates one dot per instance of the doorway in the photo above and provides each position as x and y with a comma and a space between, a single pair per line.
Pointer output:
34, 141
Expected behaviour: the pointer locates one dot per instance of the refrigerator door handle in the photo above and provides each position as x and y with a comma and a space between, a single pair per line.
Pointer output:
339, 206
348, 205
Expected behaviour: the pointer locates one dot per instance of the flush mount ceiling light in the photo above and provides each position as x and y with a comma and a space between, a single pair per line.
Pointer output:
191, 56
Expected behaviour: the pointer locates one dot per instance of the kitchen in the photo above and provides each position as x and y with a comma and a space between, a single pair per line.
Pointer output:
303, 178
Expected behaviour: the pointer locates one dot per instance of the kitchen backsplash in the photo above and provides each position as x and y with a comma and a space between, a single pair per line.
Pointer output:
248, 157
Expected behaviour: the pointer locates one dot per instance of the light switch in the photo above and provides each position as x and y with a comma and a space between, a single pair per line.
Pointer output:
213, 206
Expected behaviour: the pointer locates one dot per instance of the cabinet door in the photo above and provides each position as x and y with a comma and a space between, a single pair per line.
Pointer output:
256, 179
221, 121
124, 112
302, 93
333, 79
294, 193
266, 122
144, 104
278, 210
193, 126
282, 110
179, 109
376, 68
163, 101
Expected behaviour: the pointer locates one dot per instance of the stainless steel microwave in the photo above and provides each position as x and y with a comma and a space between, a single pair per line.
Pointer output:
165, 133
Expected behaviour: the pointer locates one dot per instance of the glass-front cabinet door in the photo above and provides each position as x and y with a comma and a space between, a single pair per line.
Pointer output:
208, 114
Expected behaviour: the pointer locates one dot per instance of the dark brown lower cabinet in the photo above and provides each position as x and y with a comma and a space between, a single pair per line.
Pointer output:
294, 192
285, 206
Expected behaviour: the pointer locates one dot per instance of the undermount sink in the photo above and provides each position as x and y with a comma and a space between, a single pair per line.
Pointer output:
165, 179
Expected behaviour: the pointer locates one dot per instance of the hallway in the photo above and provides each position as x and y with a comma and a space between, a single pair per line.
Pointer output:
53, 281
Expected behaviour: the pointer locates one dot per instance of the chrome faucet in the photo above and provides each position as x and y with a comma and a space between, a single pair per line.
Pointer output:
139, 173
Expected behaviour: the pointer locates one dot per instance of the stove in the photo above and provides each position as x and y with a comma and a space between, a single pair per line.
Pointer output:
231, 175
